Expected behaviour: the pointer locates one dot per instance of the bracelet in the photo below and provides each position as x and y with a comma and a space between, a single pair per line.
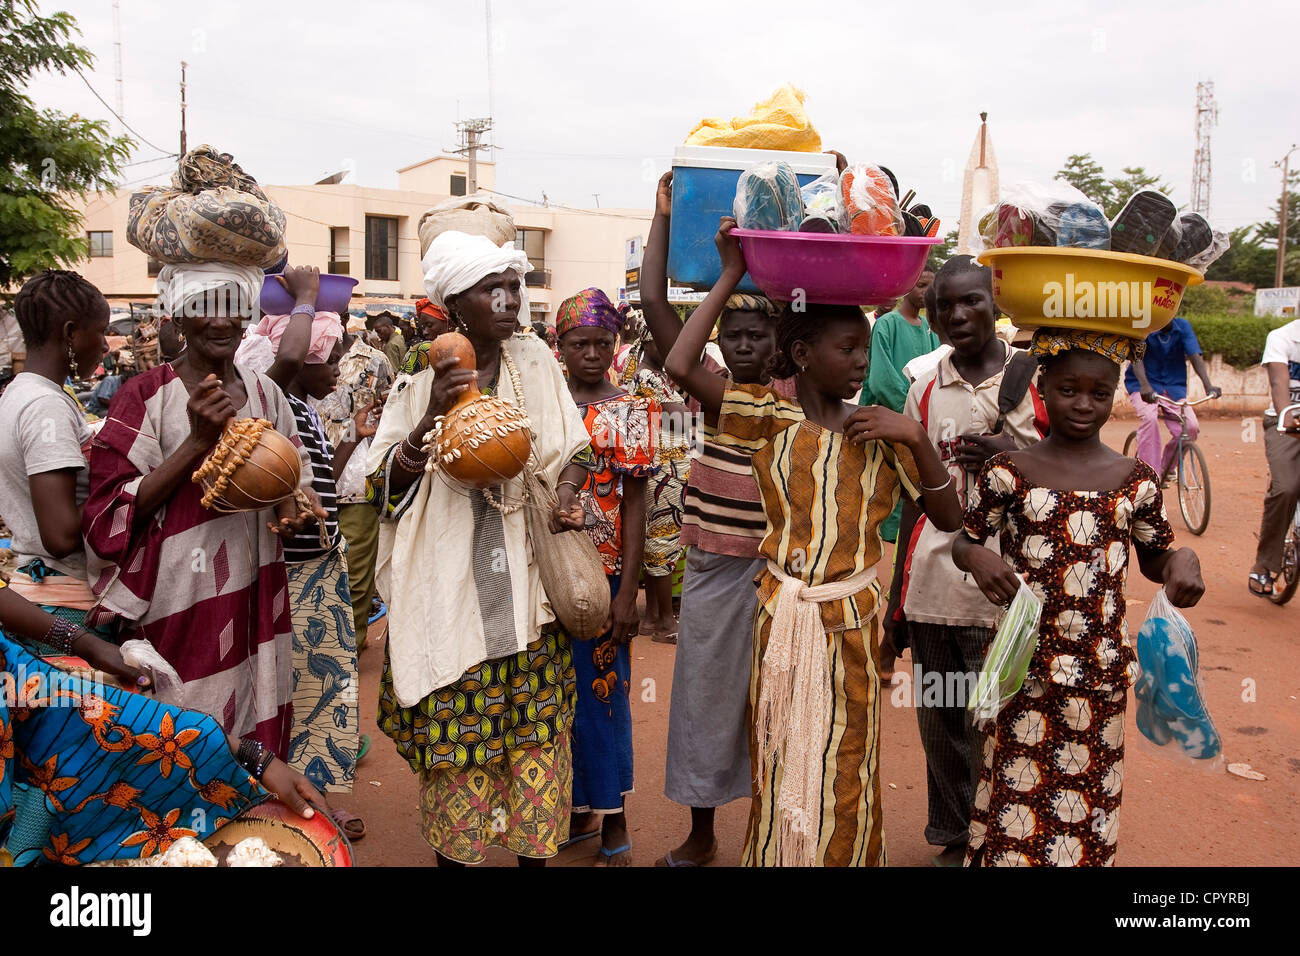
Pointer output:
409, 462
250, 752
308, 309
60, 636
576, 487
946, 484
267, 756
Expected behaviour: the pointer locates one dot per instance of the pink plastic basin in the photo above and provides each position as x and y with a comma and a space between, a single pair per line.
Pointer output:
333, 296
833, 269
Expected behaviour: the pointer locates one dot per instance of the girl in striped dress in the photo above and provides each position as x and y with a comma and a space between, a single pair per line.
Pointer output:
828, 472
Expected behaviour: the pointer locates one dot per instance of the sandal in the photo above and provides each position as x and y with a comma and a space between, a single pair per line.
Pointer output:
362, 749
1261, 583
665, 638
606, 856
349, 824
668, 860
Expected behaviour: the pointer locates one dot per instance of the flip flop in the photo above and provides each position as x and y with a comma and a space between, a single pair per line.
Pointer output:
363, 749
668, 860
351, 825
1264, 580
668, 638
605, 855
383, 609
585, 835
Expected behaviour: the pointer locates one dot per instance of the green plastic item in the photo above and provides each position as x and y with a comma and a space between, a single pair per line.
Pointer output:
1007, 662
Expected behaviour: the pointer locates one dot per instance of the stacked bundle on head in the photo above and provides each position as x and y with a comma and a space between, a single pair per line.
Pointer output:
212, 212
476, 215
1058, 263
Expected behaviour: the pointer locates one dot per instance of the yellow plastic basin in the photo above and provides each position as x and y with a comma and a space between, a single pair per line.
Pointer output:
1088, 289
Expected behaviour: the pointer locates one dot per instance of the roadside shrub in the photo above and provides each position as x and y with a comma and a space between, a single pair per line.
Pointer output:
1239, 339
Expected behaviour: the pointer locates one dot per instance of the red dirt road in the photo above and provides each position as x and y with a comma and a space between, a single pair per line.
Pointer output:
1171, 815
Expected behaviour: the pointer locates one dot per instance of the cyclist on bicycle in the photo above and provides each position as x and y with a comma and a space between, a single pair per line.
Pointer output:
1162, 372
1282, 361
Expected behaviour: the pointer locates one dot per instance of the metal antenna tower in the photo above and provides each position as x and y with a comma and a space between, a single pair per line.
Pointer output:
1207, 117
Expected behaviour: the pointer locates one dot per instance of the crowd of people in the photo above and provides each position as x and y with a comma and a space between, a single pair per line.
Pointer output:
771, 451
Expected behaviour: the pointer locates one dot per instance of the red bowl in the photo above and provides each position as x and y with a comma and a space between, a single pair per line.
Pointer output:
318, 841
833, 269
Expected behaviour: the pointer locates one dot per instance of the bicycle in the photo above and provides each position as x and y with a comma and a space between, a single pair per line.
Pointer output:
1193, 470
1288, 579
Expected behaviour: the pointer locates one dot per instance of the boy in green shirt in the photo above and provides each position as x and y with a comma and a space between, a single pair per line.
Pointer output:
897, 338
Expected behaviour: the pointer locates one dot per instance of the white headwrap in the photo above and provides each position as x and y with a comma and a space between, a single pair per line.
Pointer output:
181, 284
456, 261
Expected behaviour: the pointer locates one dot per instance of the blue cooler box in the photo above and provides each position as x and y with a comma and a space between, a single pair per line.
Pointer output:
704, 190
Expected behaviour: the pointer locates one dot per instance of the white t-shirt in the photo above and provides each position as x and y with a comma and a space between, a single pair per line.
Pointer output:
41, 429
1283, 345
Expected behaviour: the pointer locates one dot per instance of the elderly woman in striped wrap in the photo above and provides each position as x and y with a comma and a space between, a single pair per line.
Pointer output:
828, 472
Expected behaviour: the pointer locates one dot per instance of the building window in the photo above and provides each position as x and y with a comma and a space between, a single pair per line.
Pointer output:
458, 184
381, 248
532, 242
101, 244
154, 267
340, 264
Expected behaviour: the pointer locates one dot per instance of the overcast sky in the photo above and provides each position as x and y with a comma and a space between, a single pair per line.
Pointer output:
591, 96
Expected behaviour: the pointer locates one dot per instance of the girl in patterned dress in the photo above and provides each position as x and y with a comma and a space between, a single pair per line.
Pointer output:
828, 472
614, 499
1065, 511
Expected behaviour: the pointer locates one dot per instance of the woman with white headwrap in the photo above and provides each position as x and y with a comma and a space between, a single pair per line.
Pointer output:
206, 588
478, 684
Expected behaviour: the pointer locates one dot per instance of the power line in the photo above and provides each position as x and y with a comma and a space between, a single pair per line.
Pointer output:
114, 112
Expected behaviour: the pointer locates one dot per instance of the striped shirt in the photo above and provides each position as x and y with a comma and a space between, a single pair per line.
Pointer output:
721, 510
306, 546
824, 497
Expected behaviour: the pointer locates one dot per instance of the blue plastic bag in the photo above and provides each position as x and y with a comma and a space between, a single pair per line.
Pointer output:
768, 197
1171, 711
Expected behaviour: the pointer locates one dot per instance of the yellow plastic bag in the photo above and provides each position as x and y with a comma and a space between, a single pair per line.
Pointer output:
779, 122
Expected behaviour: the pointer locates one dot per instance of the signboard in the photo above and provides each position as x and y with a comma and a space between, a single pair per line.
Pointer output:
1284, 303
632, 279
633, 250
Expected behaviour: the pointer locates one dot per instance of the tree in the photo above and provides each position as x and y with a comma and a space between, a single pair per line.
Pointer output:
1266, 233
1246, 260
942, 252
46, 157
1086, 175
1122, 188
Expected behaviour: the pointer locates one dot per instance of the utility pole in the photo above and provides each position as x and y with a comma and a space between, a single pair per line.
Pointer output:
597, 195
117, 57
487, 14
471, 130
183, 149
1285, 163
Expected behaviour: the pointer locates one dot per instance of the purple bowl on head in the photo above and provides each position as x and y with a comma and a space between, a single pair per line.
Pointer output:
335, 292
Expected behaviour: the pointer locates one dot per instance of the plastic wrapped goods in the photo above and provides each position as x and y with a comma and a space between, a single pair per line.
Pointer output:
1140, 227
870, 202
1055, 214
779, 122
1171, 711
768, 197
823, 205
212, 212
1007, 661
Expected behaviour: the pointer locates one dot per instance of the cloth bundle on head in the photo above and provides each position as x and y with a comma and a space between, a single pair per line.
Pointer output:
742, 302
590, 307
182, 289
457, 261
1118, 348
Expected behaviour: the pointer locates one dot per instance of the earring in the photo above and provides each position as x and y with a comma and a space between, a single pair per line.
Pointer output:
72, 360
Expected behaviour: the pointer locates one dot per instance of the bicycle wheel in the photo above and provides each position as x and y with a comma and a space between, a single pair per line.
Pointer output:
1130, 445
1194, 488
1284, 587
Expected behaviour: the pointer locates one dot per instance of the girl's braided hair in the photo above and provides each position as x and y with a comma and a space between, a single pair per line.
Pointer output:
53, 297
805, 325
